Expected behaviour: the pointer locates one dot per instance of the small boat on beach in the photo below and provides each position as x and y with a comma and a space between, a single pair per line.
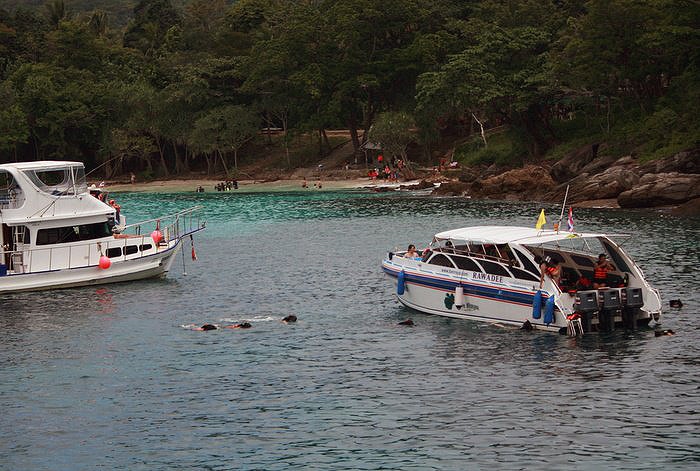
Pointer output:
495, 274
55, 232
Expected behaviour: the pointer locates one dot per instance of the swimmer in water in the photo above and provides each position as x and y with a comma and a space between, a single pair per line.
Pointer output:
661, 333
242, 325
289, 318
207, 327
408, 322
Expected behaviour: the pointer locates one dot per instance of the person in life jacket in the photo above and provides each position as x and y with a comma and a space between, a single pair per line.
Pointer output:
551, 268
600, 272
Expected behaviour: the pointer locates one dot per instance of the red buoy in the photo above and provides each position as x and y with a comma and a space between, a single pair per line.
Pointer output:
157, 236
105, 262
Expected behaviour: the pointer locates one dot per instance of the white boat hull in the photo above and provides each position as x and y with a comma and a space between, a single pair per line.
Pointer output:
428, 292
151, 266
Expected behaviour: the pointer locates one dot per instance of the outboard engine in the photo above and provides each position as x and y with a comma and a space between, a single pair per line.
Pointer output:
632, 301
609, 300
586, 303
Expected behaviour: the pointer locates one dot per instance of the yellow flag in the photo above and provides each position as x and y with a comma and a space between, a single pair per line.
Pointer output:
541, 221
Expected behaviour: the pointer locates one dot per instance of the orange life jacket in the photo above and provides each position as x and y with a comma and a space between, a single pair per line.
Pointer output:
600, 273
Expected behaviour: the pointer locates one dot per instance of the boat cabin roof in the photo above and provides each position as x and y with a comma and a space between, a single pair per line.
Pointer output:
41, 164
510, 234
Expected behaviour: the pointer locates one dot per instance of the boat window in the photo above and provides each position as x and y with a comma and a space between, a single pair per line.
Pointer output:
581, 261
620, 263
525, 262
466, 263
61, 235
114, 252
130, 249
59, 181
145, 247
441, 260
523, 275
494, 268
554, 255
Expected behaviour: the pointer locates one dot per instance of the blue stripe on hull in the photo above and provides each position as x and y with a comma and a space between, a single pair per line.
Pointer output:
495, 294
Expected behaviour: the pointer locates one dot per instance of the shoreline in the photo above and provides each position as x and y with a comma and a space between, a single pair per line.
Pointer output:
282, 185
244, 186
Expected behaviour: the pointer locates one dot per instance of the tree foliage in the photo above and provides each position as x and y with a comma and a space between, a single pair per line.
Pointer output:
186, 84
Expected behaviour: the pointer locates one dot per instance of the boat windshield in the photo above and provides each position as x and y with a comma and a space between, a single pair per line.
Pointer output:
59, 181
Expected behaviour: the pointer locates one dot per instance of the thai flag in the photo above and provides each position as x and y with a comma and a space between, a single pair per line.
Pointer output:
570, 221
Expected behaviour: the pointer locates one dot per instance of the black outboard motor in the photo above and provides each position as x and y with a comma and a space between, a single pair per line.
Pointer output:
610, 303
586, 303
632, 301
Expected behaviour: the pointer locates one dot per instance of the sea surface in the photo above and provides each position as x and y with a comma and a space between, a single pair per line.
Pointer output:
112, 377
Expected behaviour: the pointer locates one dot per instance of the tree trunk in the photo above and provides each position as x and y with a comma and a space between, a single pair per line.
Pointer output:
355, 140
235, 159
163, 165
326, 141
223, 161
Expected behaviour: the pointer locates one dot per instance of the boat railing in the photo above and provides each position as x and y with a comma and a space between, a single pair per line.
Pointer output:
172, 226
88, 253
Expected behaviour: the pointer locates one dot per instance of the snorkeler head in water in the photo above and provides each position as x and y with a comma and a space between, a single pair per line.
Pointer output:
207, 327
289, 318
242, 325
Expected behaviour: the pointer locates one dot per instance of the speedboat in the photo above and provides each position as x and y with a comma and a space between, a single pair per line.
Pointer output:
56, 234
495, 274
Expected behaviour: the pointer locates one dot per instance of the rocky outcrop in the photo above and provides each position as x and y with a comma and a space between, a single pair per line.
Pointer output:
572, 165
691, 208
623, 175
661, 189
529, 182
452, 189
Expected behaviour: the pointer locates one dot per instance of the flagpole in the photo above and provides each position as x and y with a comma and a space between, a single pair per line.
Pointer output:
561, 216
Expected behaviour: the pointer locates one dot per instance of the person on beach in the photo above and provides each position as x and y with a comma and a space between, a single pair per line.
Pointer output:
600, 272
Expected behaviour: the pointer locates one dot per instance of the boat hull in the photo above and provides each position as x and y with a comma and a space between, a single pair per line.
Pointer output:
434, 294
152, 266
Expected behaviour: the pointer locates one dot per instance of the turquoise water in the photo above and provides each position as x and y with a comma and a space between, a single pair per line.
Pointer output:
110, 377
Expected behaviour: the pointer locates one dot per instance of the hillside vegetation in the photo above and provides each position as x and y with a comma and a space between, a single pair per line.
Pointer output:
166, 87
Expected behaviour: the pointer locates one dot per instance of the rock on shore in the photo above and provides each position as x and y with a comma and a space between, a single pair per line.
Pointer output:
591, 175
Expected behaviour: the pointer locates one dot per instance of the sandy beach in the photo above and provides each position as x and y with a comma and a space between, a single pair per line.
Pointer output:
190, 185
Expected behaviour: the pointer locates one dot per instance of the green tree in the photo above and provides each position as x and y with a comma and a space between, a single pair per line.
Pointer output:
392, 130
13, 121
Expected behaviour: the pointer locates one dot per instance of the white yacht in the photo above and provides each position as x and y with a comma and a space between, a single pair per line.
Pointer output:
55, 234
493, 274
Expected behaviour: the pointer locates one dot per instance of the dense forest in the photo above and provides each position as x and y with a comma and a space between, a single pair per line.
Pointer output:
167, 87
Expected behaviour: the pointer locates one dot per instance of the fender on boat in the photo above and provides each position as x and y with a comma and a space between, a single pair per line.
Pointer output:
549, 311
537, 305
459, 297
401, 284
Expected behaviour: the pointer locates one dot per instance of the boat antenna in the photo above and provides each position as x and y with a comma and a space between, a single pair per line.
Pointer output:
563, 205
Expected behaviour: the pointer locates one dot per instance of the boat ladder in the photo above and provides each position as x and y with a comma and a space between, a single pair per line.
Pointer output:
574, 327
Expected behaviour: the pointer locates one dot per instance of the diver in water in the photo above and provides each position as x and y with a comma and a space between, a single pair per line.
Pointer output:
242, 325
290, 318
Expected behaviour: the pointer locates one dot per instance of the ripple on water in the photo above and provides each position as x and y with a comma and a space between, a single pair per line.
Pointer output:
108, 377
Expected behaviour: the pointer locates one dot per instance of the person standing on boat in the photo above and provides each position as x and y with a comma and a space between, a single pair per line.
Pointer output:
600, 272
551, 268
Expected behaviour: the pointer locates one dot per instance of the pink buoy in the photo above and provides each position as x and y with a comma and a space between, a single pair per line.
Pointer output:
157, 236
105, 262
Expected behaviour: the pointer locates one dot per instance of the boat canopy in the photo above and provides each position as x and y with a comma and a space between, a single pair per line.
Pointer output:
57, 178
510, 234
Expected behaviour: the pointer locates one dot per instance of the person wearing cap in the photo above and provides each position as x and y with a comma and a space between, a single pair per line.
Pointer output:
550, 267
600, 272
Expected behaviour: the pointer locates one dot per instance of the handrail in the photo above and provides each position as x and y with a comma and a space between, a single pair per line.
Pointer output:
167, 216
86, 253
